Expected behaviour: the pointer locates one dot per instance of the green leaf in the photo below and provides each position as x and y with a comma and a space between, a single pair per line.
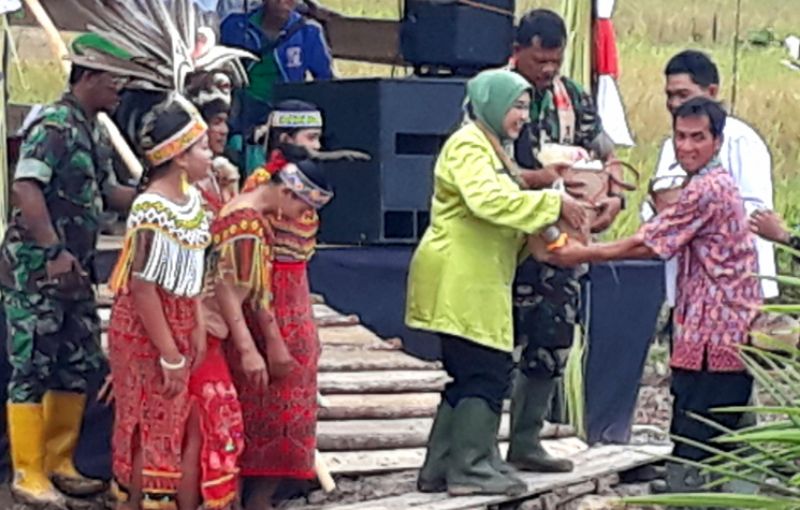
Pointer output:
788, 249
789, 309
700, 500
770, 436
792, 281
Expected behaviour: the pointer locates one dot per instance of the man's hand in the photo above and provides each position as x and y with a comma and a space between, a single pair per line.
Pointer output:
770, 226
570, 255
607, 211
573, 211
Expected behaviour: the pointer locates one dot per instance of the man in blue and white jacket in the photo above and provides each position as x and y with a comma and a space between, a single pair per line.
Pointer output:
289, 46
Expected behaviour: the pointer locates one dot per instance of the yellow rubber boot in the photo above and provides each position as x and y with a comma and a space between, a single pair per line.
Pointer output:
63, 415
31, 486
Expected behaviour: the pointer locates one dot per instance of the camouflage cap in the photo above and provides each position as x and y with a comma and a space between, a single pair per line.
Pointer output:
94, 51
92, 43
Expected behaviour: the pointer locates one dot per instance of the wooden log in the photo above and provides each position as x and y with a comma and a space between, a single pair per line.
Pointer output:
592, 464
560, 496
343, 435
337, 358
353, 335
330, 320
380, 406
401, 381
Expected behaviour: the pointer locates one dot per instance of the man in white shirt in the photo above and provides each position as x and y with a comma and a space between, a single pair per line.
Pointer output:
744, 155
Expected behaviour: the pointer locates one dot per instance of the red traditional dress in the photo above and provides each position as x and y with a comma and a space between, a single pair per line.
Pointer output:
165, 244
281, 421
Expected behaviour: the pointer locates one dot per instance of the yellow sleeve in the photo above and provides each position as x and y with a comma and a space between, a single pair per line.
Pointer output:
490, 193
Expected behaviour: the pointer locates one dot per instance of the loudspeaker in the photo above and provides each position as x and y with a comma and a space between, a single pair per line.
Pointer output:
402, 124
461, 37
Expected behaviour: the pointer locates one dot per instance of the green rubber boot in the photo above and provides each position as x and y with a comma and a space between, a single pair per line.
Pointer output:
433, 474
530, 401
473, 446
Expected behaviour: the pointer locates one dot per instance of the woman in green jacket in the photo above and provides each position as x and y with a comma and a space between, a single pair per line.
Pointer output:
460, 283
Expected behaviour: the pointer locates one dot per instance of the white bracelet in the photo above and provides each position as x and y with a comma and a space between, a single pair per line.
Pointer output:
166, 365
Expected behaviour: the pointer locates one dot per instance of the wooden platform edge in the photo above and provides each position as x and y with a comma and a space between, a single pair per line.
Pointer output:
595, 463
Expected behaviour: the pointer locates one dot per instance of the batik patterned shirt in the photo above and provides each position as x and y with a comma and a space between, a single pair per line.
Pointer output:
718, 293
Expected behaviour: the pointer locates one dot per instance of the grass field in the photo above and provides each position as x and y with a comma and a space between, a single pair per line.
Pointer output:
649, 32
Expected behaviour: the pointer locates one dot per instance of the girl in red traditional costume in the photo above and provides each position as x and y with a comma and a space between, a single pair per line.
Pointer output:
281, 421
167, 452
244, 241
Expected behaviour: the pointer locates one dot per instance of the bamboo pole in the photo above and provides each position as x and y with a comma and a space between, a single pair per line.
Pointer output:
60, 49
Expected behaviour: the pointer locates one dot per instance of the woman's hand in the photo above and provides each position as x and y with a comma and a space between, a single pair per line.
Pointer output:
175, 373
255, 368
574, 211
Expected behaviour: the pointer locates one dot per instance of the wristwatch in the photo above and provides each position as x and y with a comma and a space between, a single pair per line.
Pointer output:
52, 252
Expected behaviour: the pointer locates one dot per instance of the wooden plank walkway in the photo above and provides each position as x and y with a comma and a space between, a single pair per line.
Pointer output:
590, 464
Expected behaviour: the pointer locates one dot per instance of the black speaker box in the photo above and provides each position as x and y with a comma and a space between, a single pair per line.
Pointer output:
402, 124
463, 38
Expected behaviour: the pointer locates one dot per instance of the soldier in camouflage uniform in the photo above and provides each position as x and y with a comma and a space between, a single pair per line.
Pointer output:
547, 297
63, 176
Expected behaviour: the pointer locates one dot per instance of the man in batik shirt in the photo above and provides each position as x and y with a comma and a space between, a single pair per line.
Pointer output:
63, 177
718, 294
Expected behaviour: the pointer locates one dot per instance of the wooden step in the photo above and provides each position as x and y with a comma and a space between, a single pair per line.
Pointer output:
400, 381
383, 461
379, 406
590, 465
343, 435
337, 358
352, 335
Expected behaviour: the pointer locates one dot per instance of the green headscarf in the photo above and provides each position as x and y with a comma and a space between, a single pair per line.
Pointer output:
491, 94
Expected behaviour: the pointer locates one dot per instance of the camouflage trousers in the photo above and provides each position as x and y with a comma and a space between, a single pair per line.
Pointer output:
52, 345
547, 305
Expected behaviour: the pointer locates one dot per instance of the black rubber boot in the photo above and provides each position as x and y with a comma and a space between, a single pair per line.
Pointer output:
473, 445
530, 400
433, 474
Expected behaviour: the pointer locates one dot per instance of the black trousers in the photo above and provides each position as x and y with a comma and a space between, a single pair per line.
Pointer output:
698, 393
477, 371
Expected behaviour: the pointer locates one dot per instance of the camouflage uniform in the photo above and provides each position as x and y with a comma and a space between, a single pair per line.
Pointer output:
548, 297
53, 327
